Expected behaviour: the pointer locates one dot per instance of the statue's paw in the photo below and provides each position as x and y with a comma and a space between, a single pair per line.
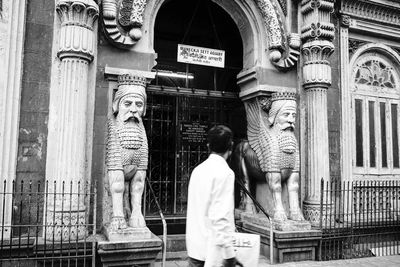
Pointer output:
118, 223
280, 216
296, 216
137, 220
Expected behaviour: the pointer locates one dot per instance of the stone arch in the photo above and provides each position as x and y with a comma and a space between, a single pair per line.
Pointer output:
375, 47
247, 18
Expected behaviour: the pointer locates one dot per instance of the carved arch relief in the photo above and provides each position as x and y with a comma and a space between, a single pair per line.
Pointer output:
123, 20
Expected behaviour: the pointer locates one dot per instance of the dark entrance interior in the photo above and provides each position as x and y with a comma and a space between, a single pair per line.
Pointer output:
179, 106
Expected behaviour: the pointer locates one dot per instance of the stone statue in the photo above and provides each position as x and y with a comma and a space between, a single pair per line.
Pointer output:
127, 152
271, 153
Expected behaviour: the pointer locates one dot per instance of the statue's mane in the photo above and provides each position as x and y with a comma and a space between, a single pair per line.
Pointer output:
260, 136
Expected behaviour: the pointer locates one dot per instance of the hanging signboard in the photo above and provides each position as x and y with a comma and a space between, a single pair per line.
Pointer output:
201, 56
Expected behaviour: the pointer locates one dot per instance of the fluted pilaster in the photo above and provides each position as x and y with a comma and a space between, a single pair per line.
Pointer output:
66, 157
11, 52
317, 34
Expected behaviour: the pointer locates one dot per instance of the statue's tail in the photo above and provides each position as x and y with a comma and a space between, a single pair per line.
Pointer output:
236, 166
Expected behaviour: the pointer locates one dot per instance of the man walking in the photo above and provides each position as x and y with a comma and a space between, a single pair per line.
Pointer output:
210, 213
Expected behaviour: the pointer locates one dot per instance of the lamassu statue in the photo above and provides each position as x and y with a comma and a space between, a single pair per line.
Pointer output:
127, 152
271, 153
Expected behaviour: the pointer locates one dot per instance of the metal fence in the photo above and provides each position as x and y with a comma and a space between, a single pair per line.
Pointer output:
47, 223
359, 219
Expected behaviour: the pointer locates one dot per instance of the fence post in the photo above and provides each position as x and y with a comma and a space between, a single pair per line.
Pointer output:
321, 204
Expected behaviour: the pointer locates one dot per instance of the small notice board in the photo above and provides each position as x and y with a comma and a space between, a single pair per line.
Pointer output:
201, 56
193, 133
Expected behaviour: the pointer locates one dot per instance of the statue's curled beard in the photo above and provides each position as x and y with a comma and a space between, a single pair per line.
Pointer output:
287, 140
131, 132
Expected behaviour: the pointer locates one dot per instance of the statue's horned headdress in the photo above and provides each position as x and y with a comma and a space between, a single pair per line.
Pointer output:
130, 85
277, 102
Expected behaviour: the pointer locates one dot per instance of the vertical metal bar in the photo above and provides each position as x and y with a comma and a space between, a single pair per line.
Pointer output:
77, 224
62, 221
87, 205
346, 217
178, 147
94, 224
320, 219
12, 214
29, 212
70, 222
37, 219
54, 224
2, 217
45, 217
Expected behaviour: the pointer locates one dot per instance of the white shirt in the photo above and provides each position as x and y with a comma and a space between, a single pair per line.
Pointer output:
210, 209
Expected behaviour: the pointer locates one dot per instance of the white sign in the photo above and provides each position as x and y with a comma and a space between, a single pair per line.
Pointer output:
201, 56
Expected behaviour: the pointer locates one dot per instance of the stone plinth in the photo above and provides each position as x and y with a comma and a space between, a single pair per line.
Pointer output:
136, 252
288, 225
127, 234
289, 246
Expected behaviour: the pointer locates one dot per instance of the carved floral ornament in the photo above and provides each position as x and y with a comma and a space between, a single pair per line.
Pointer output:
374, 73
122, 21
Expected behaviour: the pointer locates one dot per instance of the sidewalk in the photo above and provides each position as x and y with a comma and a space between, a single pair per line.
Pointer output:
387, 261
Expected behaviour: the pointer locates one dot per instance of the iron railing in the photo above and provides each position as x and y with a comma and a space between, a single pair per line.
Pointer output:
359, 219
47, 223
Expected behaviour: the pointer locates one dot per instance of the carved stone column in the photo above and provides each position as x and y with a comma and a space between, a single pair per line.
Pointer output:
11, 51
66, 157
317, 36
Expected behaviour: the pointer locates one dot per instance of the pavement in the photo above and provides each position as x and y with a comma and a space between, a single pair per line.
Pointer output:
386, 261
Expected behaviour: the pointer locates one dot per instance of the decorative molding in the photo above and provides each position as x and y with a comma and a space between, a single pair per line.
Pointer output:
345, 21
354, 45
316, 20
283, 4
283, 47
373, 11
122, 21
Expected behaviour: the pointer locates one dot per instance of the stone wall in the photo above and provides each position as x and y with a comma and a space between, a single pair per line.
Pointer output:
35, 90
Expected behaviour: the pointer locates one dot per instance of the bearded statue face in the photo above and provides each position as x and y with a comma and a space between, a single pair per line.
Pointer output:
130, 109
286, 118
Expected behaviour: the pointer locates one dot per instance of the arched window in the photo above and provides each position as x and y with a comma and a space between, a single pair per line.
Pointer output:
375, 111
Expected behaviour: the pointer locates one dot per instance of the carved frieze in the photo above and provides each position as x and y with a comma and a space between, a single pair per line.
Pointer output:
122, 21
371, 11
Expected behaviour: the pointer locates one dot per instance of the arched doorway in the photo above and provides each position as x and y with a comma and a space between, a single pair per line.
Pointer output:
185, 100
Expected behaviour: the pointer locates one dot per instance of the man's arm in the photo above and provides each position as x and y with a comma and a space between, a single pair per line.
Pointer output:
221, 214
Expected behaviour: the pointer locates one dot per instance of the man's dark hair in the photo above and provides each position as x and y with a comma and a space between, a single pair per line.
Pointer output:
220, 139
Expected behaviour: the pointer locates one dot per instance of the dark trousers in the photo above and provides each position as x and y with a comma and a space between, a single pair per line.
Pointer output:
195, 263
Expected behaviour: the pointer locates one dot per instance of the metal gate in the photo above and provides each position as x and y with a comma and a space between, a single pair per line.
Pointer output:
35, 236
176, 124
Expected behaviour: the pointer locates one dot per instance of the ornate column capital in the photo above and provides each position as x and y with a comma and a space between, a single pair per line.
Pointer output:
316, 68
77, 26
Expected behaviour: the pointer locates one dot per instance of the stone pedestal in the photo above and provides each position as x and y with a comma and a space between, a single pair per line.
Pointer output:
136, 252
288, 246
127, 234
